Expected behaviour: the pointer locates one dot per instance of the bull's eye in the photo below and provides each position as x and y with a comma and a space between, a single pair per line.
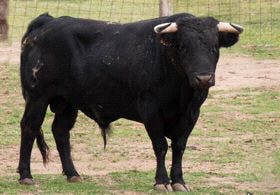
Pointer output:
184, 50
213, 50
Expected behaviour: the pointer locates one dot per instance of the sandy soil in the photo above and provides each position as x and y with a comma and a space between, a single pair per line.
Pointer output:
10, 53
243, 71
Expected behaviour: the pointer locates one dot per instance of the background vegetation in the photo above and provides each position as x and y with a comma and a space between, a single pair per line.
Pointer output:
261, 18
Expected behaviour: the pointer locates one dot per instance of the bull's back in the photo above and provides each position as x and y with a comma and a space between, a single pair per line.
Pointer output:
91, 63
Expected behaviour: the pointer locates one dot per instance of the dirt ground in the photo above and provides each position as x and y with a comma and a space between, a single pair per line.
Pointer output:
243, 71
233, 72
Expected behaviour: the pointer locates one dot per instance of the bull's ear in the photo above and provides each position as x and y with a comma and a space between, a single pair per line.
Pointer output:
169, 27
227, 39
228, 33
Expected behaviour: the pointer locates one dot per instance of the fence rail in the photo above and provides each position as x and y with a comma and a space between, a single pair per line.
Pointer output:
261, 18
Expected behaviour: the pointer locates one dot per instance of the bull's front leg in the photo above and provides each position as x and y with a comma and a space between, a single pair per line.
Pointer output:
154, 125
178, 146
155, 131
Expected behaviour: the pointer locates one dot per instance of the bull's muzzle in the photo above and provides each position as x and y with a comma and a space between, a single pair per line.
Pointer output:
204, 81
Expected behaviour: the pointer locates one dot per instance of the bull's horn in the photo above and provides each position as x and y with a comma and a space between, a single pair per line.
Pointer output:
229, 27
169, 27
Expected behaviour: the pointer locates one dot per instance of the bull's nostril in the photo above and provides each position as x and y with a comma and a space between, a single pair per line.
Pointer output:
205, 80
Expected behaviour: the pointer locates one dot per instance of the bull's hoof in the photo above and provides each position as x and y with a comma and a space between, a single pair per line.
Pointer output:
163, 188
178, 187
74, 179
26, 181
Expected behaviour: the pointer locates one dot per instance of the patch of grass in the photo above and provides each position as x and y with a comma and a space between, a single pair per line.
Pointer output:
246, 177
142, 182
213, 108
128, 181
195, 176
276, 165
50, 184
245, 110
267, 101
126, 128
253, 125
256, 101
11, 103
220, 152
134, 180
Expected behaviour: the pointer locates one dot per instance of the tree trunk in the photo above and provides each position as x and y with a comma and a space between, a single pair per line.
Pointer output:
3, 19
165, 8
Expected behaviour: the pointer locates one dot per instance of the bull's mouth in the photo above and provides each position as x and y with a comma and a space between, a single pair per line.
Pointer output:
202, 81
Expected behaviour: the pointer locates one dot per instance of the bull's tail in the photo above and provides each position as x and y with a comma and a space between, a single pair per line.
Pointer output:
105, 131
43, 147
37, 23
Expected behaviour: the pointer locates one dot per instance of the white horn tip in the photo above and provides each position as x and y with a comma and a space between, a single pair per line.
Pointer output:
230, 27
158, 28
166, 28
237, 27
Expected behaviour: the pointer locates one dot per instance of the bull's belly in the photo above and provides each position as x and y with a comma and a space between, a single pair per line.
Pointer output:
106, 112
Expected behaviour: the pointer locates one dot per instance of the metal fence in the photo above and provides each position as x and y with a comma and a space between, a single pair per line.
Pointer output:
261, 18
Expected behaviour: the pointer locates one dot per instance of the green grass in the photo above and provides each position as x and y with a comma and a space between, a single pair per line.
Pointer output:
234, 148
276, 166
247, 177
141, 182
261, 19
133, 180
128, 181
50, 184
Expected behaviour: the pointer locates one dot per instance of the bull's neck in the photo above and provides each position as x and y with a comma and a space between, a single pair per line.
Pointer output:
198, 98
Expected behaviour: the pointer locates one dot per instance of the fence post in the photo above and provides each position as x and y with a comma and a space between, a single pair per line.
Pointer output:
3, 19
165, 7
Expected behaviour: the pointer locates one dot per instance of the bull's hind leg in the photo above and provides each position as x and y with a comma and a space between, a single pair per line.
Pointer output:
30, 129
63, 122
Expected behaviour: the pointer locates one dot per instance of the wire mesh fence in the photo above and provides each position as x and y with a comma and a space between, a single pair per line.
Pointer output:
261, 18
23, 11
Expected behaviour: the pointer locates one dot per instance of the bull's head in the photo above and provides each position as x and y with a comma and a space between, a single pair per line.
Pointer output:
198, 41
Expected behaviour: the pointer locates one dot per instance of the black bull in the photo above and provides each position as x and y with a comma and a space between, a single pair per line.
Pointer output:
156, 72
